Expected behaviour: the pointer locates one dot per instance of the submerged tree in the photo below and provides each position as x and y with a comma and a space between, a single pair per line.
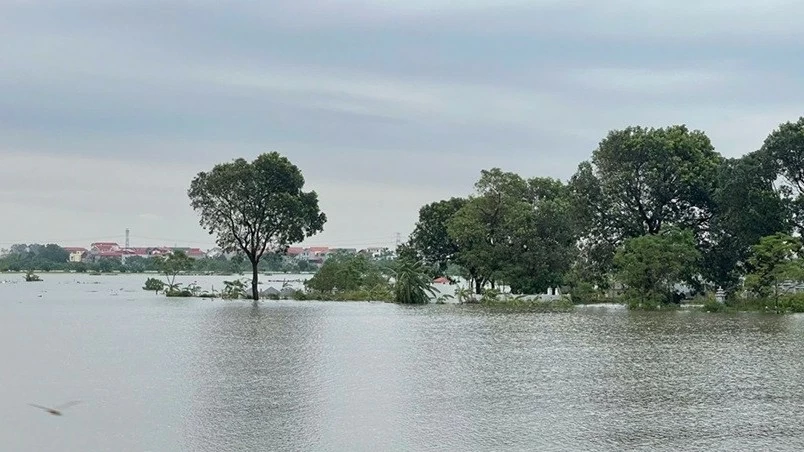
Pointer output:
257, 207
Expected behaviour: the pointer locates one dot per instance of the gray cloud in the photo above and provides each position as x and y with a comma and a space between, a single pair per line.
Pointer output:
108, 108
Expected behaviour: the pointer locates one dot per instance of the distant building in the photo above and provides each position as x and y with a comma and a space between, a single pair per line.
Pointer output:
77, 254
194, 253
294, 251
215, 253
104, 247
378, 252
315, 254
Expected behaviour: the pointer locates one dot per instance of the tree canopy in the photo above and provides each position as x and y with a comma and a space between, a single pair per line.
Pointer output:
784, 148
511, 231
256, 207
643, 179
431, 237
650, 265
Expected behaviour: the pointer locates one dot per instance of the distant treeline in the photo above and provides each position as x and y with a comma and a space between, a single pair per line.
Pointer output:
52, 257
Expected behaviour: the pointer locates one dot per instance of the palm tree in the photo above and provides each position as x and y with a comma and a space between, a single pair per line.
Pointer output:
412, 285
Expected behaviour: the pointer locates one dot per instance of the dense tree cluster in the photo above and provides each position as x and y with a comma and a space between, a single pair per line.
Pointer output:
651, 209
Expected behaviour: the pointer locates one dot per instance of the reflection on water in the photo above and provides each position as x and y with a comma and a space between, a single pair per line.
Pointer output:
166, 375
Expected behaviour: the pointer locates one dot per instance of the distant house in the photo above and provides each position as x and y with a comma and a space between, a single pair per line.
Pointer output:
294, 251
194, 253
158, 251
103, 247
316, 254
77, 254
103, 250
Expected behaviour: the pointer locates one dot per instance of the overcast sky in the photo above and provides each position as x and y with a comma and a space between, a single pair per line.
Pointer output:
108, 108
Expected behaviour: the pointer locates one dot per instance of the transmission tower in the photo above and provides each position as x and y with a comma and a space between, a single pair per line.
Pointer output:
128, 245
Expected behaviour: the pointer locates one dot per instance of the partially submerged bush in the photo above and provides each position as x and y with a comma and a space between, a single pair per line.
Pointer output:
712, 305
233, 290
153, 284
584, 293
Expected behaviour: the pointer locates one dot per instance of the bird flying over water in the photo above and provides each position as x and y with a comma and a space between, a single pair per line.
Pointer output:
58, 409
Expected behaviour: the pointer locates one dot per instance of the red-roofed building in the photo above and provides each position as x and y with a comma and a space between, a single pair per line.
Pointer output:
294, 251
196, 253
104, 247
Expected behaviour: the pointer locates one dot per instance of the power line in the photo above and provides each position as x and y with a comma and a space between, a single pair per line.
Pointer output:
90, 239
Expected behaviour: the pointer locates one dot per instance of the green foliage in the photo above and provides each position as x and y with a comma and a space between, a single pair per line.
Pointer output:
431, 239
173, 264
784, 147
584, 293
412, 284
490, 295
792, 302
154, 284
519, 304
35, 257
515, 231
712, 305
787, 303
233, 290
464, 295
748, 207
641, 180
177, 291
650, 265
774, 261
347, 273
256, 207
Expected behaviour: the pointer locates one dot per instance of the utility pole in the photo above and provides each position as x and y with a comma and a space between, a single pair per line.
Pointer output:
398, 240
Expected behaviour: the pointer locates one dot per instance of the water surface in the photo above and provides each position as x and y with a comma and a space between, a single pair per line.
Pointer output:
160, 374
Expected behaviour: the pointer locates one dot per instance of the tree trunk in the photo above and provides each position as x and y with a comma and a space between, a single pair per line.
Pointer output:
478, 286
255, 276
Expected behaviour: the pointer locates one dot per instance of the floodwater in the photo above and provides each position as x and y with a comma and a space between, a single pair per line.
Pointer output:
157, 374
